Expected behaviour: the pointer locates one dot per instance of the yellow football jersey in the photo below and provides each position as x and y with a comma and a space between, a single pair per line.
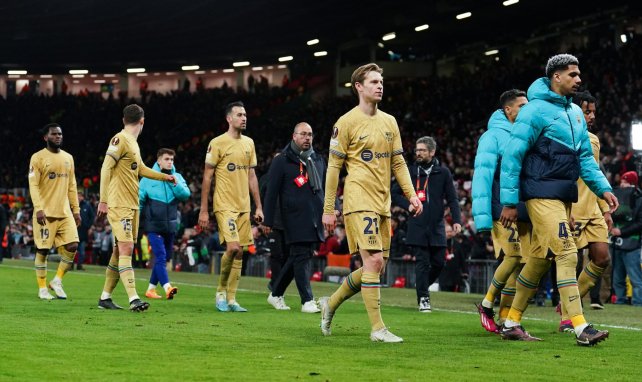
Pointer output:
232, 159
366, 144
588, 204
52, 183
122, 190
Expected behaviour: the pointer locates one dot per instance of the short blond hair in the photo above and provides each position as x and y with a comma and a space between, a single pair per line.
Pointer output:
361, 72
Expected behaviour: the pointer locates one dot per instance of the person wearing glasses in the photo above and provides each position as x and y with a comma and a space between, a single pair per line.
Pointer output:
426, 233
297, 180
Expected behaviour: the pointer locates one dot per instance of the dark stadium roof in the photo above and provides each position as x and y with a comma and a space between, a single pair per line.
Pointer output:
110, 35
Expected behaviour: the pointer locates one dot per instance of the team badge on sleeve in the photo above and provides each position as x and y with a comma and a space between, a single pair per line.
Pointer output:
31, 171
335, 132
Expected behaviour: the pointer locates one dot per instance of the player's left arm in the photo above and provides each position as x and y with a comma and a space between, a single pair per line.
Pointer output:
72, 194
253, 182
452, 200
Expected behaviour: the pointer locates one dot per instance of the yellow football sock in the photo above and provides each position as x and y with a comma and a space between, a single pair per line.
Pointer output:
508, 294
589, 276
567, 286
350, 286
111, 273
526, 286
226, 267
40, 264
233, 280
127, 276
502, 273
66, 261
371, 293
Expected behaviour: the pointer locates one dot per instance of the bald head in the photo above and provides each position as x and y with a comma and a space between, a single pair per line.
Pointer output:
302, 136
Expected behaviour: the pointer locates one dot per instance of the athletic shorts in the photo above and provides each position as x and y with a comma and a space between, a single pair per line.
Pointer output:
56, 232
124, 224
513, 241
368, 231
234, 227
552, 235
590, 231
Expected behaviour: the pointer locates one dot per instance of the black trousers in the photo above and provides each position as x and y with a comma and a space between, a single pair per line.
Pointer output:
298, 267
429, 263
278, 254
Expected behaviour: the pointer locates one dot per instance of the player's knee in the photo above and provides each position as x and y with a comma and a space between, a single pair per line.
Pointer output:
71, 247
42, 252
600, 255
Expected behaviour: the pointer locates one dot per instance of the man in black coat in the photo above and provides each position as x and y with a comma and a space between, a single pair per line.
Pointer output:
426, 233
87, 216
297, 180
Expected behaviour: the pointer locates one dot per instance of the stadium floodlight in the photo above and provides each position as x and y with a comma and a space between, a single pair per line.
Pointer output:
380, 45
281, 66
78, 75
76, 81
214, 71
14, 76
464, 15
109, 75
190, 67
18, 72
636, 135
348, 84
510, 2
78, 71
46, 76
228, 70
421, 28
320, 53
240, 64
135, 70
313, 41
93, 75
256, 68
199, 72
99, 81
270, 67
388, 36
141, 74
286, 58
623, 38
491, 52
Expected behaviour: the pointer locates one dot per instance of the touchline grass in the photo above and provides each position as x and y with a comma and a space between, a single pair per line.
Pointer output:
186, 339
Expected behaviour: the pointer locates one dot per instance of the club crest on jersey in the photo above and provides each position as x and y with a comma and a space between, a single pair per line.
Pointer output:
231, 167
335, 132
366, 155
388, 136
209, 148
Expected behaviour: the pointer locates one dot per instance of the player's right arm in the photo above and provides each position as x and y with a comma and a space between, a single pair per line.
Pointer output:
212, 157
206, 186
105, 178
402, 175
338, 145
34, 190
482, 191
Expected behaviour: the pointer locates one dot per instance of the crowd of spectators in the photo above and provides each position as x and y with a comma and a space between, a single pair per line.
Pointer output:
454, 110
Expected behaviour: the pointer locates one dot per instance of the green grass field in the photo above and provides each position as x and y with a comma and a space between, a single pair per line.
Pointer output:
187, 340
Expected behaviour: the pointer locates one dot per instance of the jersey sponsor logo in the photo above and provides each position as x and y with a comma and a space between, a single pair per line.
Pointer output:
231, 167
53, 175
335, 132
134, 166
367, 155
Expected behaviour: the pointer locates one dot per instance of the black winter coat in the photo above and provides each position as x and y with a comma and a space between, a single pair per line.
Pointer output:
301, 208
428, 229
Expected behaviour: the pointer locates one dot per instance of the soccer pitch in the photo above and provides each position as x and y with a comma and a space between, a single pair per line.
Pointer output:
186, 339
